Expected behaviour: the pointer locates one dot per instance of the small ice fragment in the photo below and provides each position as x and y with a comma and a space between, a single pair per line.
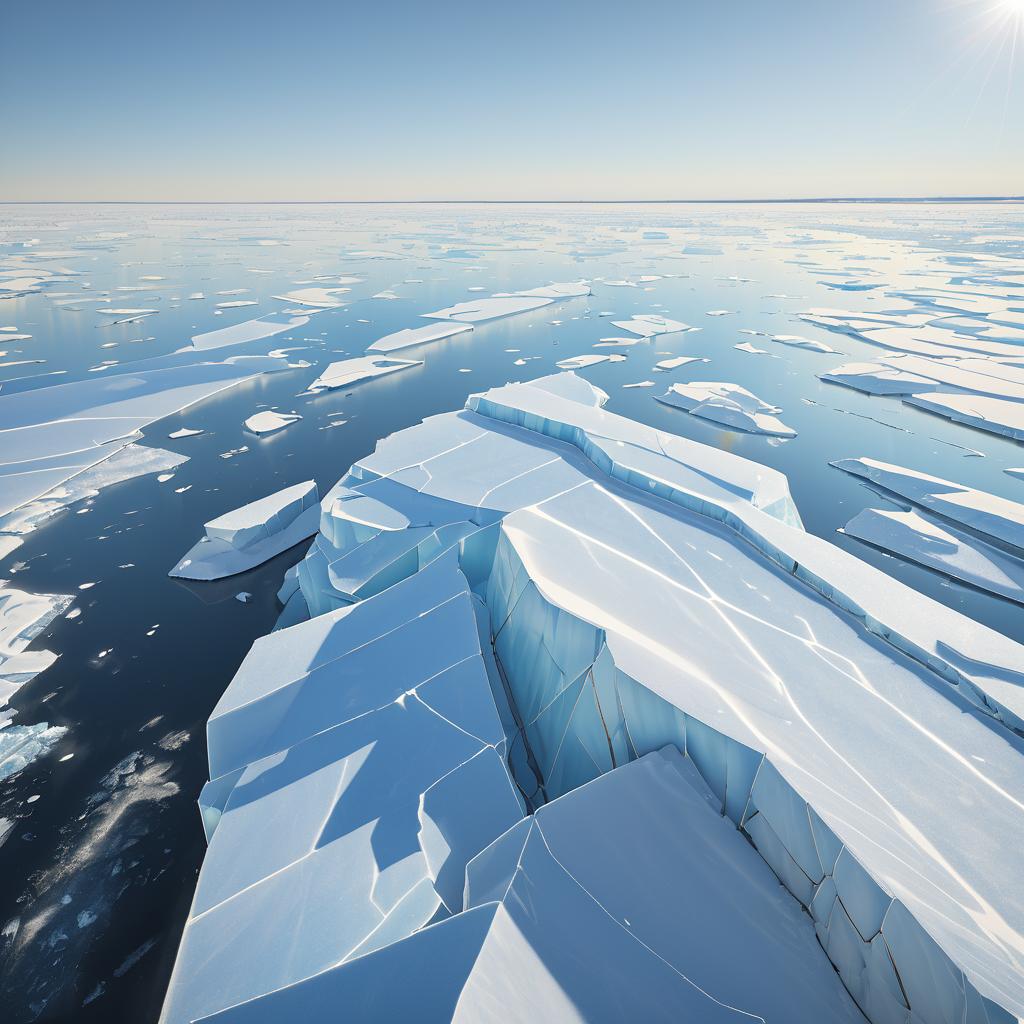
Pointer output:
269, 422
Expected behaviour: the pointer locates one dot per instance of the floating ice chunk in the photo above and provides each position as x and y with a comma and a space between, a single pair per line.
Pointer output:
20, 745
996, 415
583, 361
745, 346
675, 363
243, 596
1015, 472
418, 336
249, 330
640, 384
479, 310
728, 404
919, 538
317, 298
570, 290
347, 372
877, 379
269, 422
998, 519
185, 432
253, 534
616, 342
237, 304
720, 312
795, 341
650, 325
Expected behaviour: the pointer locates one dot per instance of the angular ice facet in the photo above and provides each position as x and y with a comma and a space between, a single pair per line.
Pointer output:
728, 404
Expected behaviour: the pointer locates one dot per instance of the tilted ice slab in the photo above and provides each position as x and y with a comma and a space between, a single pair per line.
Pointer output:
418, 336
645, 590
253, 534
627, 899
357, 765
919, 538
989, 515
795, 341
729, 405
317, 298
347, 372
507, 304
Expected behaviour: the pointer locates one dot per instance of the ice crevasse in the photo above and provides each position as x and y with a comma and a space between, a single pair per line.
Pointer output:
583, 725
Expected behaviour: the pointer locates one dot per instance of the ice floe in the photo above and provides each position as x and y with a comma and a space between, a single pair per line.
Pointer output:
248, 331
920, 538
591, 359
990, 516
795, 341
650, 325
730, 405
347, 372
507, 304
270, 422
418, 336
317, 298
253, 534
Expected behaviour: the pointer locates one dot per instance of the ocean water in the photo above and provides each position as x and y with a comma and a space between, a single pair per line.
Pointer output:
100, 838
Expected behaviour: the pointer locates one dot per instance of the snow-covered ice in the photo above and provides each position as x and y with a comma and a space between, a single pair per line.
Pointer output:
269, 422
253, 534
418, 336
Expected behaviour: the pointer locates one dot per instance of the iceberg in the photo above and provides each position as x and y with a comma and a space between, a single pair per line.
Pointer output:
253, 534
729, 405
998, 520
921, 539
615, 590
347, 372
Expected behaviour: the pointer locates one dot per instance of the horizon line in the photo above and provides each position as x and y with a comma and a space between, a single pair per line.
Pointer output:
509, 202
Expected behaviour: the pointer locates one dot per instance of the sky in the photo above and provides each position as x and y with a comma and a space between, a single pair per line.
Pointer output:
334, 100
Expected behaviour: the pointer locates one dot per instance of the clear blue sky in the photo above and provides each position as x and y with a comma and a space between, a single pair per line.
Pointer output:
610, 99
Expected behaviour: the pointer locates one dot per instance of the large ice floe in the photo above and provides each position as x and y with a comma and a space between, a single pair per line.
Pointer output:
253, 534
575, 697
477, 311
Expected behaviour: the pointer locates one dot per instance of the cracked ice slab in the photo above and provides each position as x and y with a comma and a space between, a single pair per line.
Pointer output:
253, 534
993, 517
919, 538
729, 405
629, 899
347, 372
813, 692
344, 756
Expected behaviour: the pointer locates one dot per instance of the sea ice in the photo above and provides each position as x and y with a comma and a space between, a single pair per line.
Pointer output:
347, 372
317, 298
640, 590
253, 534
269, 422
591, 359
919, 538
650, 325
248, 331
729, 405
795, 341
417, 336
988, 515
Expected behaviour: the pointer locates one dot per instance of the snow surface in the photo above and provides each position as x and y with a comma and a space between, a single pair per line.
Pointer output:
729, 405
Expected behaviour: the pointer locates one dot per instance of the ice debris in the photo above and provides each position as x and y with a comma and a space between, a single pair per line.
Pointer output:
253, 534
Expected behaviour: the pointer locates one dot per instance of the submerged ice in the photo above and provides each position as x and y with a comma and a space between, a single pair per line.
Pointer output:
571, 683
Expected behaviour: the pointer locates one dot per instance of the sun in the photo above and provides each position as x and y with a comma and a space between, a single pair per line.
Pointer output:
1014, 7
